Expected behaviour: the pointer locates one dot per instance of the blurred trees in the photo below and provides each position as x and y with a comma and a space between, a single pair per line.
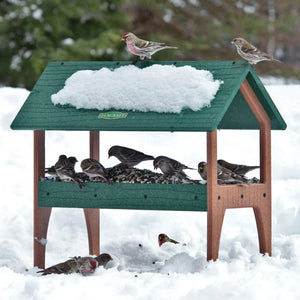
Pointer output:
34, 32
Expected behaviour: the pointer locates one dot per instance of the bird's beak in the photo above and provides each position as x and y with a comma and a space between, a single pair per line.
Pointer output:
122, 39
232, 42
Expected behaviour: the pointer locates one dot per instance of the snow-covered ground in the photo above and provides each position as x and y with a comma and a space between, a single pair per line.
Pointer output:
146, 271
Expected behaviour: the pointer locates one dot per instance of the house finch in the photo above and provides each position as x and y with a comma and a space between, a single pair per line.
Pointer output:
170, 166
127, 156
251, 53
77, 264
163, 238
93, 168
51, 170
224, 175
65, 170
237, 169
141, 47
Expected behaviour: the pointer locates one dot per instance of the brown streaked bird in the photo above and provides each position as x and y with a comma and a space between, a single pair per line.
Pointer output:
170, 166
94, 168
163, 238
225, 175
250, 53
237, 169
65, 170
51, 170
128, 156
141, 47
84, 265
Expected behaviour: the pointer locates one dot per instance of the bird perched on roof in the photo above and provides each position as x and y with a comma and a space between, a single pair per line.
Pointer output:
163, 238
128, 156
224, 175
141, 47
83, 265
65, 170
237, 169
170, 166
250, 52
51, 170
93, 168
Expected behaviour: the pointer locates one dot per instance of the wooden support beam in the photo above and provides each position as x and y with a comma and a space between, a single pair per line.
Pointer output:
92, 216
41, 215
215, 208
263, 208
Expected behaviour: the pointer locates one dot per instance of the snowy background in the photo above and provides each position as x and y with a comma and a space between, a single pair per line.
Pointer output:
140, 269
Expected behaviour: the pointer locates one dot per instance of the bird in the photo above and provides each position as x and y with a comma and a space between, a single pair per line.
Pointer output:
128, 156
51, 170
250, 52
103, 259
94, 168
77, 264
65, 170
170, 166
224, 175
163, 238
237, 169
141, 47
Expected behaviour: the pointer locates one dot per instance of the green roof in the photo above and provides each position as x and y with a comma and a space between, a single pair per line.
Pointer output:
228, 110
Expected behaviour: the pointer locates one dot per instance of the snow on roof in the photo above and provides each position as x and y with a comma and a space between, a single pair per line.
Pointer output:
158, 88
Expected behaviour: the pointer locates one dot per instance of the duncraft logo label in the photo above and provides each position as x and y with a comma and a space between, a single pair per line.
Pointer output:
112, 115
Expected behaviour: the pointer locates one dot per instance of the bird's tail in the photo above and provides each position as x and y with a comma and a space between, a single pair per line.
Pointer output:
78, 182
279, 61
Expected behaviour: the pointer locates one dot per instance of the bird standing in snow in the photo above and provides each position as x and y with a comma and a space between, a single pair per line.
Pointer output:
141, 47
83, 265
224, 175
251, 53
93, 168
237, 169
163, 238
65, 170
170, 166
128, 156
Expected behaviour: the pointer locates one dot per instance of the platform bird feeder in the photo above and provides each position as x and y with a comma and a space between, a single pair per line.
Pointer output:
241, 103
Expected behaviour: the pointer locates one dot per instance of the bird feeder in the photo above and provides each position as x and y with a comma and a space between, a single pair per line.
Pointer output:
240, 103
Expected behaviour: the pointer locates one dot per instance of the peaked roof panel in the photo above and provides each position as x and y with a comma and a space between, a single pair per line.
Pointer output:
39, 113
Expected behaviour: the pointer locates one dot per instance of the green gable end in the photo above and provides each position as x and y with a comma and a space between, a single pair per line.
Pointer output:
228, 110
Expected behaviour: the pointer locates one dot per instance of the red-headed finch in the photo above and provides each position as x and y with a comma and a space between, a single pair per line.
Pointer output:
141, 47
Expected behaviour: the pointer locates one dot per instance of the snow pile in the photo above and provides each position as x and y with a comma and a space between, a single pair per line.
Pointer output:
163, 89
140, 269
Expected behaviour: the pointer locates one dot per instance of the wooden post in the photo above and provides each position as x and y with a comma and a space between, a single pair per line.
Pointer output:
263, 210
92, 216
41, 215
215, 209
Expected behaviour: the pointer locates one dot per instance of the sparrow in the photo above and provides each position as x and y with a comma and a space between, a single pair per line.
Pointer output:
77, 264
93, 168
141, 47
251, 53
163, 238
128, 156
65, 170
224, 175
170, 166
237, 169
51, 170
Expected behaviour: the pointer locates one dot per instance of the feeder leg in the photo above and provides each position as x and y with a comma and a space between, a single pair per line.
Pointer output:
214, 228
41, 215
263, 217
92, 216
